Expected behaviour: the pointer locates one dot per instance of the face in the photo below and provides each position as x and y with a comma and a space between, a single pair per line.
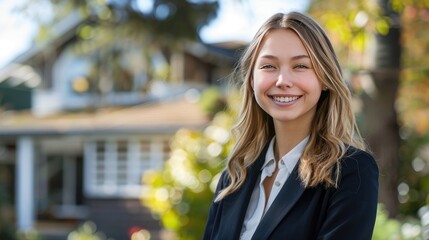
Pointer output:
284, 81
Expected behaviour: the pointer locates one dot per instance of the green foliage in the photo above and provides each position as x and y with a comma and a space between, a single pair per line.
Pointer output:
180, 193
350, 26
162, 19
87, 231
392, 229
212, 101
415, 72
385, 228
412, 104
107, 32
414, 173
28, 235
345, 21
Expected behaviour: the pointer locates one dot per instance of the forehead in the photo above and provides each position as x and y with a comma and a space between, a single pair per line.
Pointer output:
282, 42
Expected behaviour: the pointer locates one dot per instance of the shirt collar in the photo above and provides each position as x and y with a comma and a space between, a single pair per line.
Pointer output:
291, 158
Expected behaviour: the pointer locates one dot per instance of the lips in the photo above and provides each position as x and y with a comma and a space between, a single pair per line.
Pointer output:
282, 99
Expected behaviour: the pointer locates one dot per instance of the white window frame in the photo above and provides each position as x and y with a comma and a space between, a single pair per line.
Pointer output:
110, 185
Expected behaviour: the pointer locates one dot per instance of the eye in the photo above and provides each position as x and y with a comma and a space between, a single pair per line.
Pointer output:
301, 66
266, 66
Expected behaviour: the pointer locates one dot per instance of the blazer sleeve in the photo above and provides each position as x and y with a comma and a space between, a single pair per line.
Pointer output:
353, 205
214, 210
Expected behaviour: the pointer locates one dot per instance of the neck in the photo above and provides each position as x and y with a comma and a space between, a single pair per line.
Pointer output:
288, 136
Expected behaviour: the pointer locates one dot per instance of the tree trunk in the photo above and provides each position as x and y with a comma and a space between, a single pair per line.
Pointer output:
381, 128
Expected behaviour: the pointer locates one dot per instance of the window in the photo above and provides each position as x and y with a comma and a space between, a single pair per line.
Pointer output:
114, 167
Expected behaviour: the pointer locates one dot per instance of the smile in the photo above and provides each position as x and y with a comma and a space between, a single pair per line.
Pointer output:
285, 99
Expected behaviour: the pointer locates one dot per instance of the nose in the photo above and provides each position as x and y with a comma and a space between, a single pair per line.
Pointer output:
284, 79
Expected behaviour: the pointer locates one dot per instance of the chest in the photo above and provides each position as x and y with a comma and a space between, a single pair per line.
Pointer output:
268, 183
284, 218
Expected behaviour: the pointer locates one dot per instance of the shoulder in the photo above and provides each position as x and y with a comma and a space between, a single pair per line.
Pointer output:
356, 159
358, 169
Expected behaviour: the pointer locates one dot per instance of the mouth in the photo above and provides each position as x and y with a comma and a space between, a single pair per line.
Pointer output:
285, 99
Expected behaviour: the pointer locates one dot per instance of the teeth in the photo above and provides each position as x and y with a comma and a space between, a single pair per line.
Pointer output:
285, 99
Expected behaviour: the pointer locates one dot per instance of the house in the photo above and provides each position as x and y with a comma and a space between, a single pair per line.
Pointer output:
77, 145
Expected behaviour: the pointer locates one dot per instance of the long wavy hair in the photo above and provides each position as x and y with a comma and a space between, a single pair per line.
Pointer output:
333, 127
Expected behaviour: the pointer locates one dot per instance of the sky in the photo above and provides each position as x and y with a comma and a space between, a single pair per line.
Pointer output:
16, 32
234, 21
237, 21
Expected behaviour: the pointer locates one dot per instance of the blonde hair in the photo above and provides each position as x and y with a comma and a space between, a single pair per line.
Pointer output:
333, 128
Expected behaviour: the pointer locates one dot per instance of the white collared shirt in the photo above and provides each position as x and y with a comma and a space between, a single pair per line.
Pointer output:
256, 208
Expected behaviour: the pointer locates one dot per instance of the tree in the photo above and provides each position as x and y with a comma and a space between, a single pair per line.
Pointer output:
158, 27
381, 126
378, 120
381, 45
412, 103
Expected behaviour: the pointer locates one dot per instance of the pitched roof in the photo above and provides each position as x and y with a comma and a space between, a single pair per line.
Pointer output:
160, 117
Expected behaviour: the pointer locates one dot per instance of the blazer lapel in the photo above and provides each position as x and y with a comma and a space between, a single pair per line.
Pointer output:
235, 205
288, 196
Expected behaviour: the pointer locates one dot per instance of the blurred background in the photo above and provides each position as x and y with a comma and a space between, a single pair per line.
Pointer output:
115, 115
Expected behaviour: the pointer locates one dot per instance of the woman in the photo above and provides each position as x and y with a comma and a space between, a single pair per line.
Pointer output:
299, 169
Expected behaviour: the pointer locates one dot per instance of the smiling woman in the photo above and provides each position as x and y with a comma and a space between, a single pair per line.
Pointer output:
284, 82
299, 168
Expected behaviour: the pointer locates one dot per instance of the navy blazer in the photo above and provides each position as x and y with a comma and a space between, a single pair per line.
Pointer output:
299, 213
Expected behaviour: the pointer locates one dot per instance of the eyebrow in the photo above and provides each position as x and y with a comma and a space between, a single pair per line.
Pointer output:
269, 56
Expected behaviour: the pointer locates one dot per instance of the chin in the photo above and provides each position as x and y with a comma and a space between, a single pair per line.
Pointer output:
284, 118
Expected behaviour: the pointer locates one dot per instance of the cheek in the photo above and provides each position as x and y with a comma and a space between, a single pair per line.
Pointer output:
312, 83
261, 82
318, 86
258, 86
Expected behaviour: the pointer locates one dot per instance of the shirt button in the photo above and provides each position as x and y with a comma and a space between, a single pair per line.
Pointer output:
282, 162
277, 184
